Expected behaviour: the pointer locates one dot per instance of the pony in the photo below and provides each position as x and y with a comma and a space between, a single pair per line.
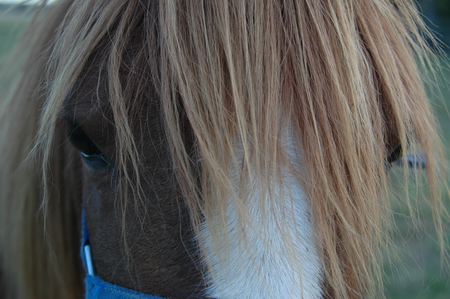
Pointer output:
211, 148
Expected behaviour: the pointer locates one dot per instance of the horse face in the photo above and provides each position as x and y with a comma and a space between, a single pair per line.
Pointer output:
148, 244
347, 103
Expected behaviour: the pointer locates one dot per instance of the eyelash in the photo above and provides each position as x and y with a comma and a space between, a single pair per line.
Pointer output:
90, 153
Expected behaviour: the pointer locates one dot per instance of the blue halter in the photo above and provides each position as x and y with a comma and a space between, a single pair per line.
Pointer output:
96, 288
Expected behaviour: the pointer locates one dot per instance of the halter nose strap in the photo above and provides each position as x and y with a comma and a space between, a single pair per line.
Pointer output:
96, 288
88, 259
86, 246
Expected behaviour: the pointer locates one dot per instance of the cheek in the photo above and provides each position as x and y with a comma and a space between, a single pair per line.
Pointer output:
98, 203
103, 223
95, 189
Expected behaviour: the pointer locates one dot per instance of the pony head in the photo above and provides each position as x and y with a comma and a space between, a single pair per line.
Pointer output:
228, 148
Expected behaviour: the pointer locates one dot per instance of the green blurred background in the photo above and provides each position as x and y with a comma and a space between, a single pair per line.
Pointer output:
415, 269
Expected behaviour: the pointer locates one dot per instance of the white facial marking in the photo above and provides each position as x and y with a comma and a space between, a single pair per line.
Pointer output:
263, 268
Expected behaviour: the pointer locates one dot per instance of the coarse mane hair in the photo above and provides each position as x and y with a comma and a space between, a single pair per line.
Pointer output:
340, 79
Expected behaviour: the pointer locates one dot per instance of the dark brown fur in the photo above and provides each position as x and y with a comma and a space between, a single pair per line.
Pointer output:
160, 255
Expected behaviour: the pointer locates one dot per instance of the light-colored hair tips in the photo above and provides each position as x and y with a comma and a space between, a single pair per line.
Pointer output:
342, 75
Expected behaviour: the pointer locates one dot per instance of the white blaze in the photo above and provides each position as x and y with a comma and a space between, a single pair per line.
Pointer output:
263, 267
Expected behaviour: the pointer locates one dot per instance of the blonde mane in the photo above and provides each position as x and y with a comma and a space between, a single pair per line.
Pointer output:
341, 76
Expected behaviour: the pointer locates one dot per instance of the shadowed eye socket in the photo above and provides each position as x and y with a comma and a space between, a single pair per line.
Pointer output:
90, 153
395, 154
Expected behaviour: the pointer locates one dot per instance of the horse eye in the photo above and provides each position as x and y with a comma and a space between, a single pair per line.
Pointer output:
89, 151
395, 154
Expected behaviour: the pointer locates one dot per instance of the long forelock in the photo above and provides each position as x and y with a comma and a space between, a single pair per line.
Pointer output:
341, 75
342, 78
